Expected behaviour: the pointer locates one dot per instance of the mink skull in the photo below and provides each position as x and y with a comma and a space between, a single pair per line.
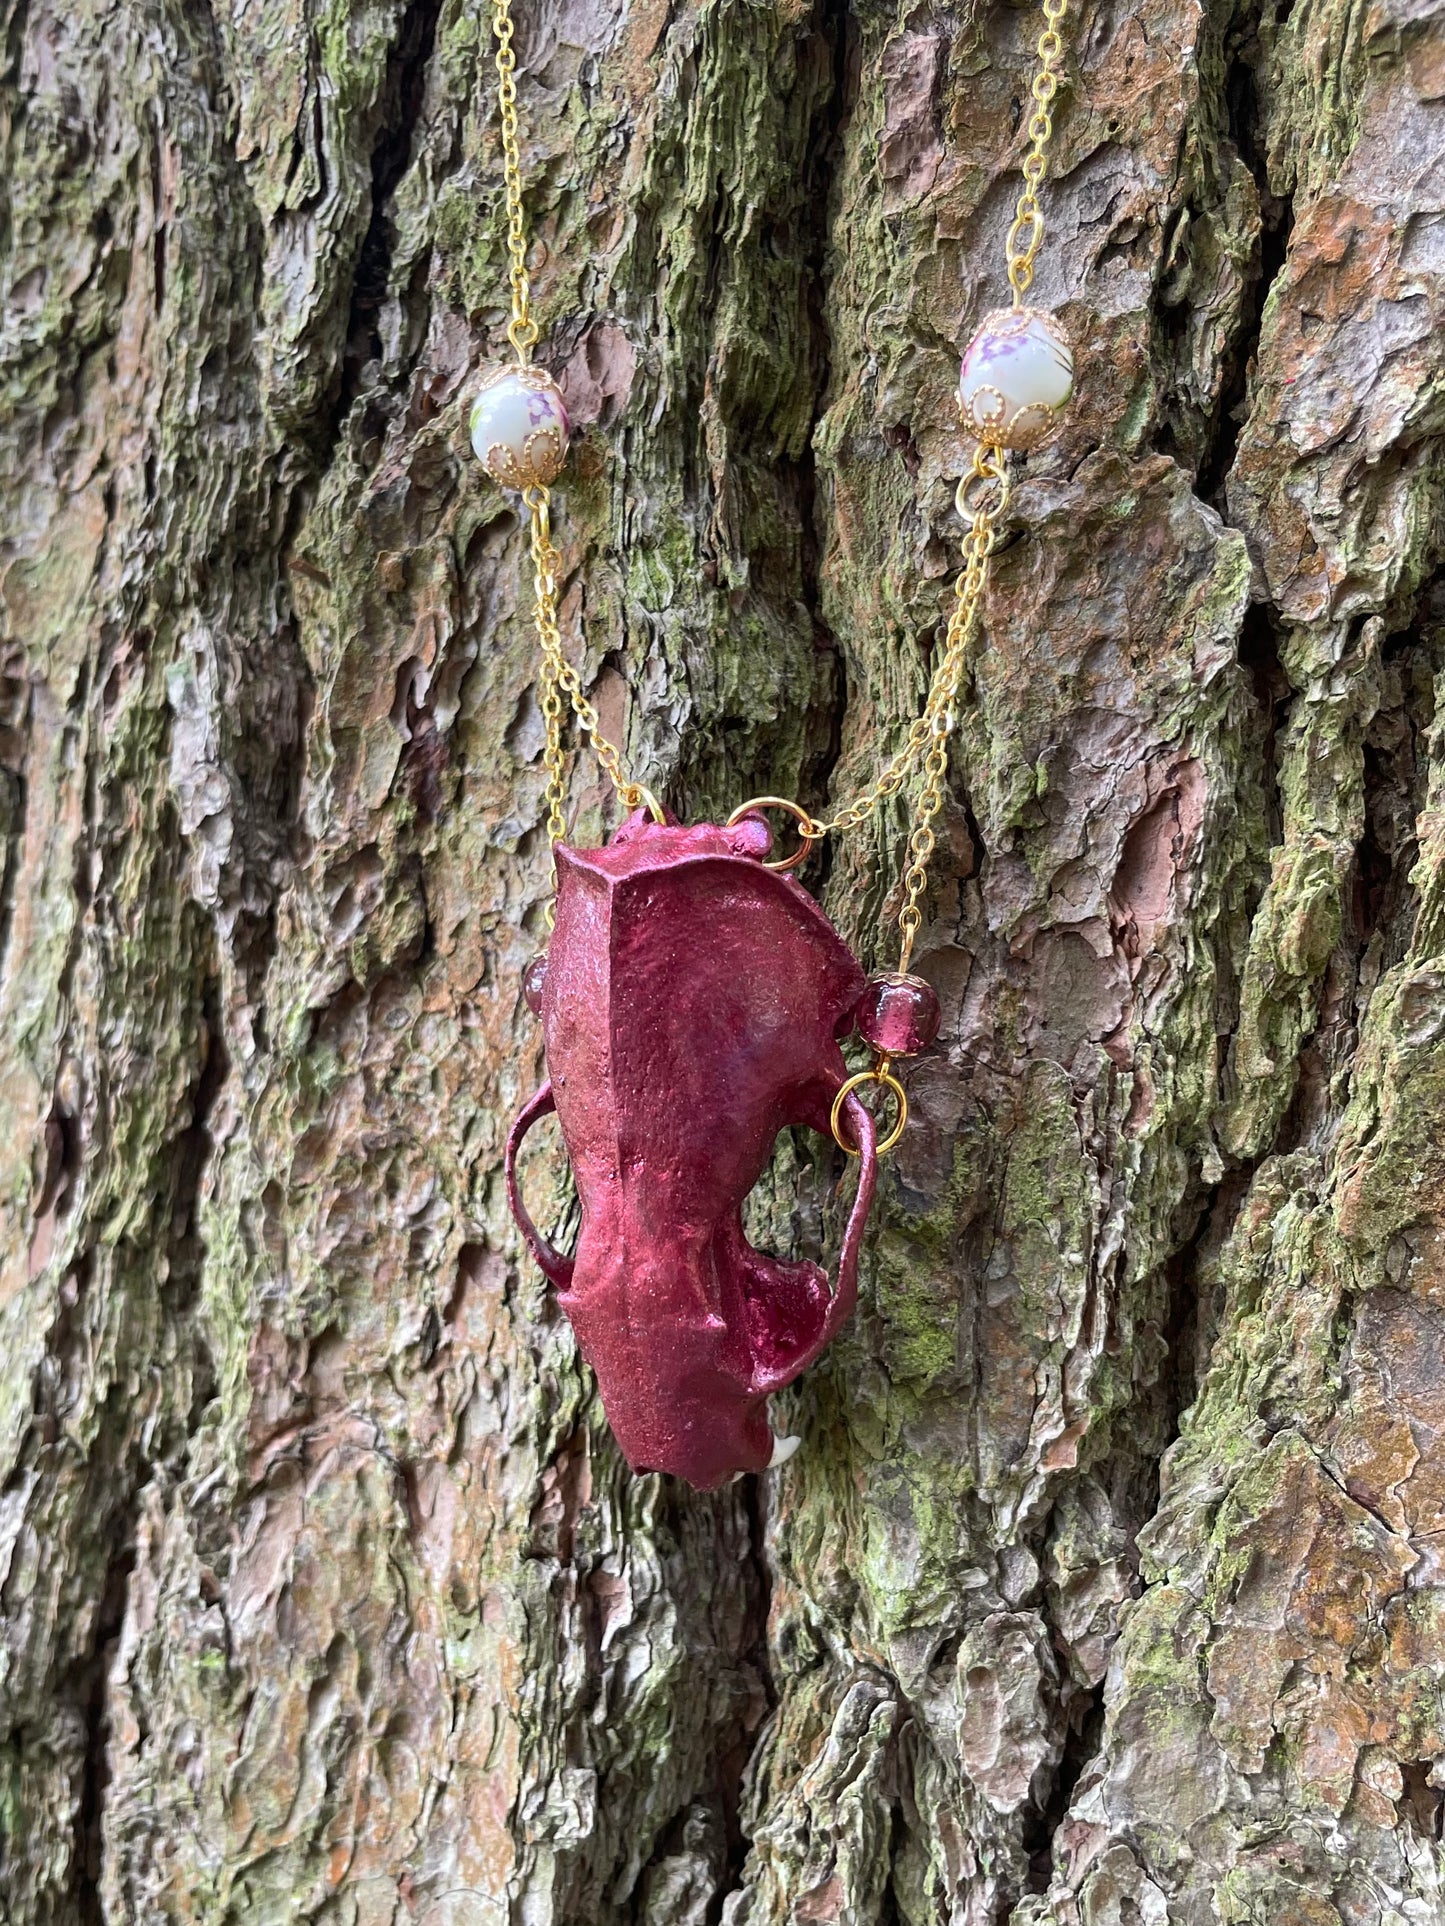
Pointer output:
691, 1009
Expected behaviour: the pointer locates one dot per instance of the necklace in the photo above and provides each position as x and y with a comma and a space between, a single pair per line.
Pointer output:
686, 964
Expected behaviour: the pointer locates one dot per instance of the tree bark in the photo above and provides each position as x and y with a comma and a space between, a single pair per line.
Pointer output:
1106, 1588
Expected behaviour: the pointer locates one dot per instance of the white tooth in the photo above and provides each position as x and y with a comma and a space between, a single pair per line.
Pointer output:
783, 1449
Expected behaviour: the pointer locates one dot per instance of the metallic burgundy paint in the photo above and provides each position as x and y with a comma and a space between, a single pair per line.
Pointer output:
691, 1009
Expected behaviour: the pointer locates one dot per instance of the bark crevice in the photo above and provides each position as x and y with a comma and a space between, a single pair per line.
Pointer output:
402, 100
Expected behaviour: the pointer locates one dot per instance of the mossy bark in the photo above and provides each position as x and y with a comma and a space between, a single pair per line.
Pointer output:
1106, 1587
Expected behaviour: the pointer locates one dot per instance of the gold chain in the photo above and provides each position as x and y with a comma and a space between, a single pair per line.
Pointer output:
1026, 235
522, 330
990, 469
926, 744
558, 675
925, 749
544, 586
984, 493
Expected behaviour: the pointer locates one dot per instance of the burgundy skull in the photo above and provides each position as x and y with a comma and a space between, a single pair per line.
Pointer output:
691, 1009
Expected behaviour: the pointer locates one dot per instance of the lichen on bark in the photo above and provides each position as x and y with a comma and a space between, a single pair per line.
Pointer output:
1104, 1586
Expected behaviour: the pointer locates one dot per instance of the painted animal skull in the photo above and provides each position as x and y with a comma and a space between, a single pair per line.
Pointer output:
691, 1009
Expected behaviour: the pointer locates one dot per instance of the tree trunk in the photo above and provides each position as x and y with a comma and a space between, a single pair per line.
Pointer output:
1106, 1589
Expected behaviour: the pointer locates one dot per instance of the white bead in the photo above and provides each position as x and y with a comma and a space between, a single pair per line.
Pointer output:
520, 427
1016, 379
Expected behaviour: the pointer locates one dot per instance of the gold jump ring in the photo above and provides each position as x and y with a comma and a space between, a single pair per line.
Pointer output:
645, 797
978, 495
807, 828
880, 1076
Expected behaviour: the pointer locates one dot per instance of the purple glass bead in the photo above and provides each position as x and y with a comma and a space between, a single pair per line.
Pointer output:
534, 978
899, 1015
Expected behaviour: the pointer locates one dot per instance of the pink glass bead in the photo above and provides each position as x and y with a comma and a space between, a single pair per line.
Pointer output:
899, 1015
533, 979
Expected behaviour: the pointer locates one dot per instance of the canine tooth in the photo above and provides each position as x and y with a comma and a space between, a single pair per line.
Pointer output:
783, 1449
